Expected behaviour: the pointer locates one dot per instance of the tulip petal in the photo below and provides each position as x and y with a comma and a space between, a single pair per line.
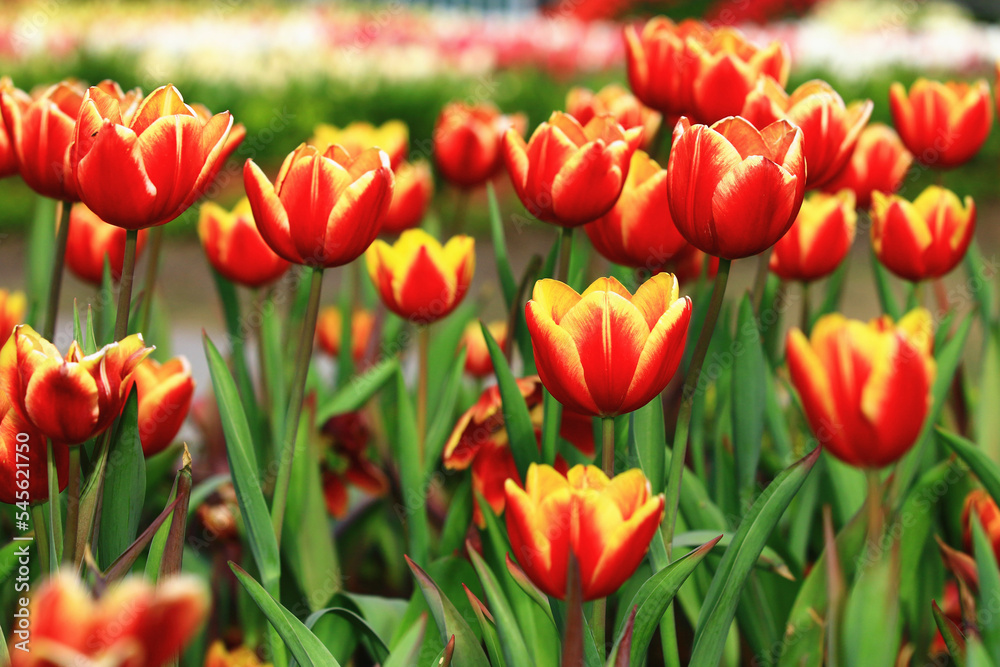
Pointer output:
128, 199
62, 401
555, 297
753, 207
269, 213
357, 217
558, 359
623, 549
660, 356
655, 296
590, 181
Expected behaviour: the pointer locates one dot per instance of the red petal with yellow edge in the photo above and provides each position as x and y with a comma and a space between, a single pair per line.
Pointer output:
308, 195
214, 146
554, 298
269, 213
61, 400
809, 376
544, 560
753, 207
62, 611
902, 113
721, 88
173, 157
423, 293
45, 136
900, 236
558, 360
660, 356
178, 607
128, 199
97, 106
624, 547
655, 297
357, 217
164, 101
743, 136
515, 155
589, 183
13, 431
493, 466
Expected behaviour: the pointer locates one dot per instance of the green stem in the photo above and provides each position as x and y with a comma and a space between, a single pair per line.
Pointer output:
55, 518
565, 250
687, 401
152, 269
295, 404
806, 314
874, 503
760, 279
41, 535
58, 261
598, 613
125, 285
424, 361
73, 506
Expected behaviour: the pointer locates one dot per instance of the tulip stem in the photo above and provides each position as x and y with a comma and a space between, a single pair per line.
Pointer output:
125, 285
295, 404
152, 269
41, 535
805, 325
58, 261
565, 250
687, 402
874, 502
55, 518
73, 506
760, 279
424, 361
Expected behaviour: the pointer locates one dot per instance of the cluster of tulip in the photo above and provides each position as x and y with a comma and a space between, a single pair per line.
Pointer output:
753, 170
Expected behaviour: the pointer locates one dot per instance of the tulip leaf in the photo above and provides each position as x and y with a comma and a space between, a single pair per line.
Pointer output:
358, 391
952, 634
456, 523
450, 622
749, 402
506, 274
654, 596
722, 598
769, 558
124, 563
517, 419
649, 442
619, 656
413, 510
987, 416
41, 255
490, 637
273, 372
444, 415
871, 622
981, 276
405, 651
305, 647
514, 650
124, 487
374, 645
446, 338
533, 592
833, 294
989, 587
976, 654
884, 289
986, 470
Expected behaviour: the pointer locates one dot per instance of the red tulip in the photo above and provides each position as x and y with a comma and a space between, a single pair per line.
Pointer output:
879, 164
24, 475
661, 64
734, 190
235, 247
346, 463
410, 197
165, 394
13, 306
468, 141
478, 362
8, 154
92, 242
583, 104
392, 137
818, 240
323, 209
329, 327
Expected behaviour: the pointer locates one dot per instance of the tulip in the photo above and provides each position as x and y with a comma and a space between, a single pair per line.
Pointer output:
989, 518
606, 523
638, 230
330, 325
478, 362
132, 624
570, 174
410, 198
942, 124
417, 278
235, 247
237, 133
479, 440
20, 99
926, 238
606, 352
468, 141
19, 437
241, 656
661, 65
165, 394
345, 462
857, 379
879, 164
392, 137
92, 242
583, 104
324, 209
734, 190
13, 306
818, 240
73, 398
830, 129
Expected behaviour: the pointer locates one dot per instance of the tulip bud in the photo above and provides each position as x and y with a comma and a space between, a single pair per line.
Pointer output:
468, 141
818, 240
235, 247
92, 242
165, 394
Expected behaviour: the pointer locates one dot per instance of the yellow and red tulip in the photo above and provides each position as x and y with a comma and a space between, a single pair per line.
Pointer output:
165, 394
989, 518
942, 124
923, 239
235, 247
163, 155
879, 164
329, 327
477, 359
818, 240
734, 190
241, 656
418, 278
856, 379
638, 231
661, 65
92, 242
616, 101
570, 174
392, 137
9, 95
324, 209
19, 439
606, 352
132, 624
830, 129
73, 398
13, 306
606, 523
468, 139
410, 198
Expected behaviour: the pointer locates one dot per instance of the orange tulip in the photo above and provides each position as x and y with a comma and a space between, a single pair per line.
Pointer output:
818, 240
638, 230
661, 65
583, 104
606, 524
92, 242
479, 440
26, 479
132, 624
879, 164
570, 174
165, 394
943, 124
417, 278
477, 359
329, 326
857, 379
923, 239
392, 137
606, 352
13, 306
346, 463
468, 140
73, 398
830, 129
410, 198
235, 247
240, 656
734, 190
15, 97
324, 209
162, 156
989, 518
237, 133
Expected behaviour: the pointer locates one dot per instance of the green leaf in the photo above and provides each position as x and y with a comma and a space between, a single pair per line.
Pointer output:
124, 487
981, 277
273, 372
987, 416
871, 633
490, 637
952, 634
358, 391
989, 587
649, 441
41, 254
533, 592
976, 654
468, 652
749, 391
723, 595
374, 644
305, 647
769, 558
406, 650
456, 523
413, 510
986, 470
514, 650
517, 420
444, 415
884, 289
506, 274
834, 292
